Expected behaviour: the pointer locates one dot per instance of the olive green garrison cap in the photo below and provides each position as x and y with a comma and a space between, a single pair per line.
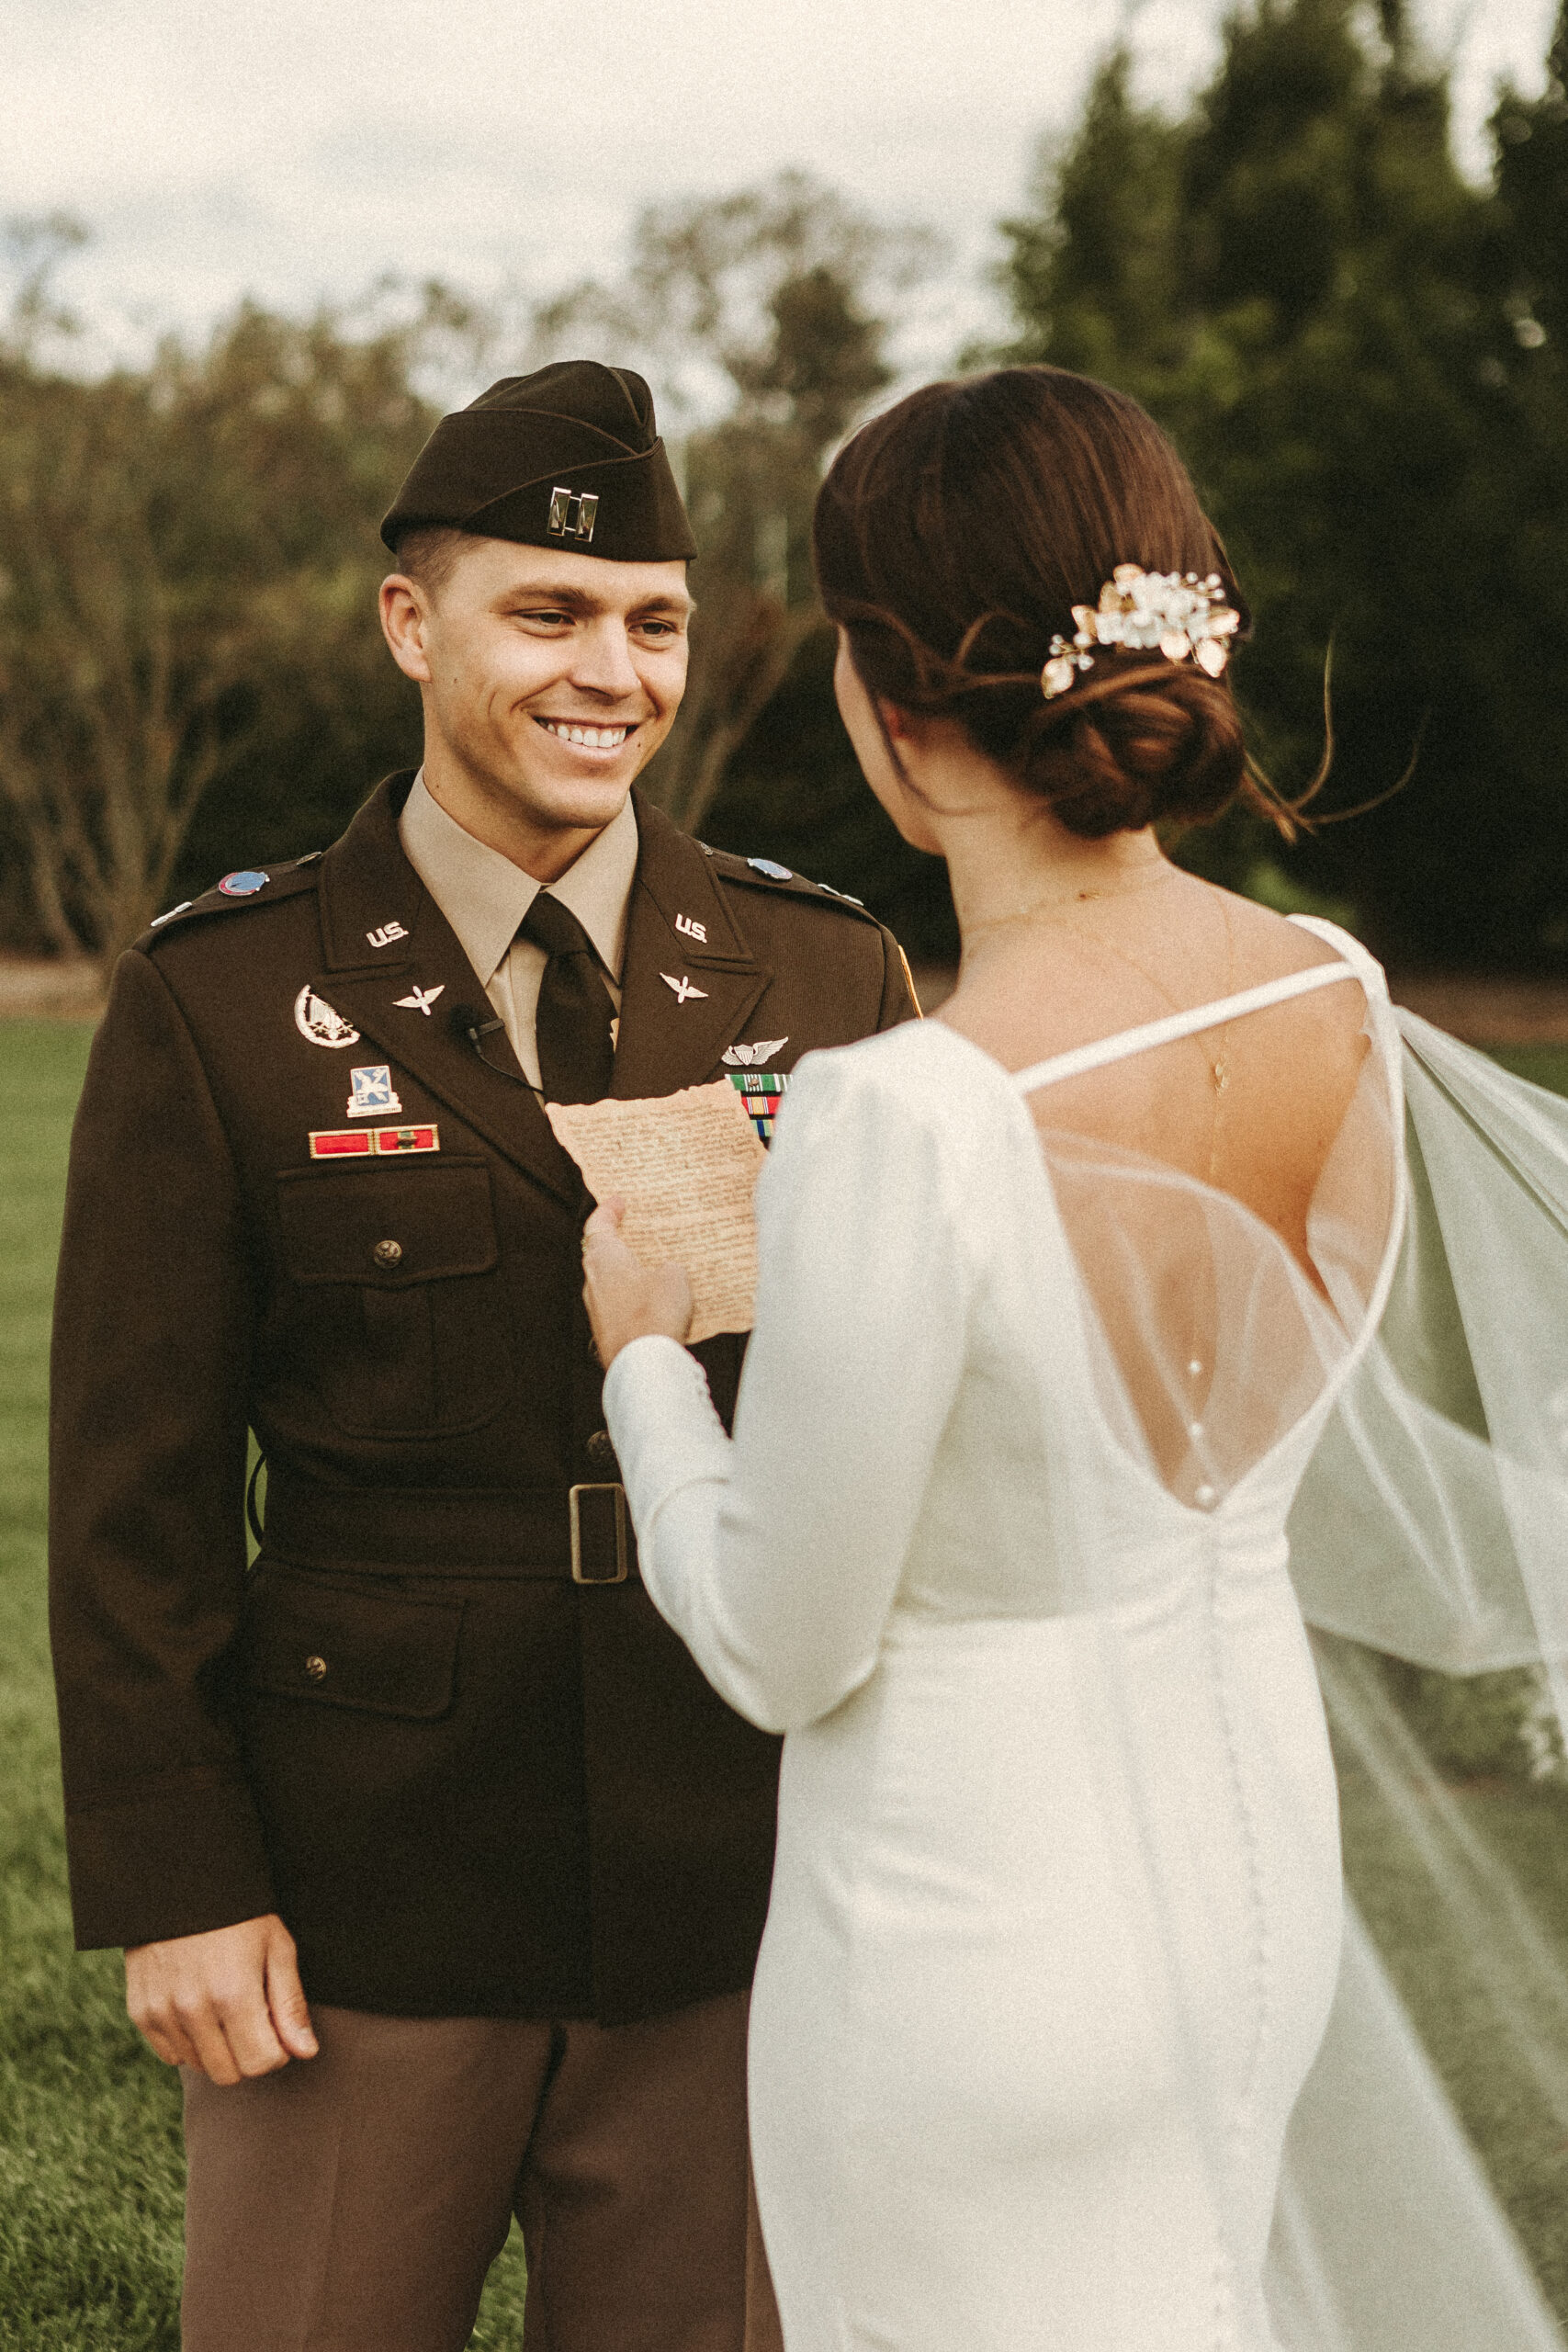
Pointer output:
566, 458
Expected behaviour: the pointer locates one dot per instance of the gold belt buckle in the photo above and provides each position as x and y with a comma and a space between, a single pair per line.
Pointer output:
574, 1513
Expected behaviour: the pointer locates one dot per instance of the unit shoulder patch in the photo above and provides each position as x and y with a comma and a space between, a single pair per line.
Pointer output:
248, 885
767, 873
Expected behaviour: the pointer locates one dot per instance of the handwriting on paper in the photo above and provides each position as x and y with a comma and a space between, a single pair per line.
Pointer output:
686, 1167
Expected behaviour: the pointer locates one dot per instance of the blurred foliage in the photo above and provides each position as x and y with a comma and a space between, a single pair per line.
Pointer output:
1361, 354
191, 673
189, 623
1483, 1727
1361, 357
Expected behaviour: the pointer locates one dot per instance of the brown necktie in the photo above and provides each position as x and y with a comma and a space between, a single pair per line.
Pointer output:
575, 1007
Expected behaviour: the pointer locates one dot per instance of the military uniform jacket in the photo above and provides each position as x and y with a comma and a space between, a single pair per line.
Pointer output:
470, 1785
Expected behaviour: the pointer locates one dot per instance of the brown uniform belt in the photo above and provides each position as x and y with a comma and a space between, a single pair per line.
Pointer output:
582, 1532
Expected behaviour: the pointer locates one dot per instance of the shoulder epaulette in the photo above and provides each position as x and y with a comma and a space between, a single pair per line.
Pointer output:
243, 888
767, 873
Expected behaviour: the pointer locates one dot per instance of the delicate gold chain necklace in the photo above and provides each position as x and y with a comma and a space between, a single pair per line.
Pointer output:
1219, 1068
1164, 872
1204, 1493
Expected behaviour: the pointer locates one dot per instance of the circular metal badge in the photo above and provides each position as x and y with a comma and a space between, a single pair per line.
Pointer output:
315, 1020
242, 884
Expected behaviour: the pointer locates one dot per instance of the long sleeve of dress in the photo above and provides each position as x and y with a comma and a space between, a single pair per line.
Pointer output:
776, 1556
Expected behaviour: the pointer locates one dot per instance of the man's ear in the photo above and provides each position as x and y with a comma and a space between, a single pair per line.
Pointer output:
404, 613
899, 725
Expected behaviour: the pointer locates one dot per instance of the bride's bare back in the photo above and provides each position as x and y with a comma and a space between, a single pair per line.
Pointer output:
1252, 1108
1166, 1161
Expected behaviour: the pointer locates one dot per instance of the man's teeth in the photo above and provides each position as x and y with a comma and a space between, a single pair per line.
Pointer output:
597, 739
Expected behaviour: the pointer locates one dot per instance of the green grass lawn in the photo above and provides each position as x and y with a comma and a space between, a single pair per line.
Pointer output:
90, 2164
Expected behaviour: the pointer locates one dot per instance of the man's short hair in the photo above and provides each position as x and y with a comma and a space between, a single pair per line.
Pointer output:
429, 555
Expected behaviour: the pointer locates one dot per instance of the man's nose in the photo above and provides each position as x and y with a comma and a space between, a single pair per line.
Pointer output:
603, 662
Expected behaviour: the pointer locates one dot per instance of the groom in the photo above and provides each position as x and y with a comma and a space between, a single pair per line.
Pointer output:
440, 1869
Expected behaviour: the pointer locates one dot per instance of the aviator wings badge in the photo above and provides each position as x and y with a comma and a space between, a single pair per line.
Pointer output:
752, 1056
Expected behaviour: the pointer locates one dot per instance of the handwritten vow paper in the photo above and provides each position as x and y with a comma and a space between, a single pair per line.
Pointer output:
685, 1166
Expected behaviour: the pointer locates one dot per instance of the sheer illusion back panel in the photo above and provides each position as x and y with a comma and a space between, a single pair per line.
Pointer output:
1211, 1338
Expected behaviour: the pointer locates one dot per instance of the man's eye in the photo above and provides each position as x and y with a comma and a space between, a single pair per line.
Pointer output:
547, 619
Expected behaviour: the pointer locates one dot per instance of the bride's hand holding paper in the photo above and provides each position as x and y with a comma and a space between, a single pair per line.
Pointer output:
682, 1170
627, 1300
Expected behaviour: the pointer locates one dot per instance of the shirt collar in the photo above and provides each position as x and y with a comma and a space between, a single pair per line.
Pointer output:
484, 897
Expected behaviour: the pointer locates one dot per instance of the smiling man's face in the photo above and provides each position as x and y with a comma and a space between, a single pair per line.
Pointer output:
549, 680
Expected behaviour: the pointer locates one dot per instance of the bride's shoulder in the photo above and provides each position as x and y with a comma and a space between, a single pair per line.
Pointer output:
921, 1076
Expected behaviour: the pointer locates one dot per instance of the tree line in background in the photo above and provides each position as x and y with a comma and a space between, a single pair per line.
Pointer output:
1361, 355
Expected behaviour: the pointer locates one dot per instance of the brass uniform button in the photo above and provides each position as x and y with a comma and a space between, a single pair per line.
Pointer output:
316, 1668
388, 1254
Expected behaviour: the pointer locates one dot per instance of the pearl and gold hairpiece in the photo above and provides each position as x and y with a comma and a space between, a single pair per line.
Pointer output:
1171, 613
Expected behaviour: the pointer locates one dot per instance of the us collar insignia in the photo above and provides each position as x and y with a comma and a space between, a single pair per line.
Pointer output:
242, 884
748, 1057
372, 1091
422, 1000
760, 1093
682, 987
318, 1023
371, 1143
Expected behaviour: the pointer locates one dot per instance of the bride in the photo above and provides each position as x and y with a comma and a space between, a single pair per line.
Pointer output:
1059, 1293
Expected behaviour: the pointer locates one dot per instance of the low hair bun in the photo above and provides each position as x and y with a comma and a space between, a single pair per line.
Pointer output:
1132, 750
957, 538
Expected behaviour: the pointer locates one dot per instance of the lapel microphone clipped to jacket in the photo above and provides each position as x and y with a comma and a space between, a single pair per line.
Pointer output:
464, 1022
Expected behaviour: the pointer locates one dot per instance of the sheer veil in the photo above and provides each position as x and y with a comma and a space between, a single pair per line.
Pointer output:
1419, 1369
1432, 1525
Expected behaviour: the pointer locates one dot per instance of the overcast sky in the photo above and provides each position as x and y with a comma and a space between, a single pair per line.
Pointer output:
297, 148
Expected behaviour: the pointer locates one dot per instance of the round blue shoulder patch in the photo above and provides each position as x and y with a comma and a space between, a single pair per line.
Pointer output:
242, 884
772, 868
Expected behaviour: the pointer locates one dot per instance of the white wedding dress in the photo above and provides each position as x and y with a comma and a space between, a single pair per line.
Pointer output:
1000, 1545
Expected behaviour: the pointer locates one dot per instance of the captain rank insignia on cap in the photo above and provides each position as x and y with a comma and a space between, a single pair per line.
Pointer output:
573, 513
367, 1143
761, 1093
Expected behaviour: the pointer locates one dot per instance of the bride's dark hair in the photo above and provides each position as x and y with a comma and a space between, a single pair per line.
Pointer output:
952, 537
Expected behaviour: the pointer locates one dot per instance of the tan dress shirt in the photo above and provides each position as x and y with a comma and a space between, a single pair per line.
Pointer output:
484, 897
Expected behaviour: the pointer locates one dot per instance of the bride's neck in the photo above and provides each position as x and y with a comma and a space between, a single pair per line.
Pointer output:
1011, 862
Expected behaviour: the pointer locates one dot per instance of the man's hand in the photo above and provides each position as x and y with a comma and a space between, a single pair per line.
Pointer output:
228, 2002
626, 1300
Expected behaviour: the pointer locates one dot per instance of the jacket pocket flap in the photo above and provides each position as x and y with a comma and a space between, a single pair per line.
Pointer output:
388, 1224
366, 1649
